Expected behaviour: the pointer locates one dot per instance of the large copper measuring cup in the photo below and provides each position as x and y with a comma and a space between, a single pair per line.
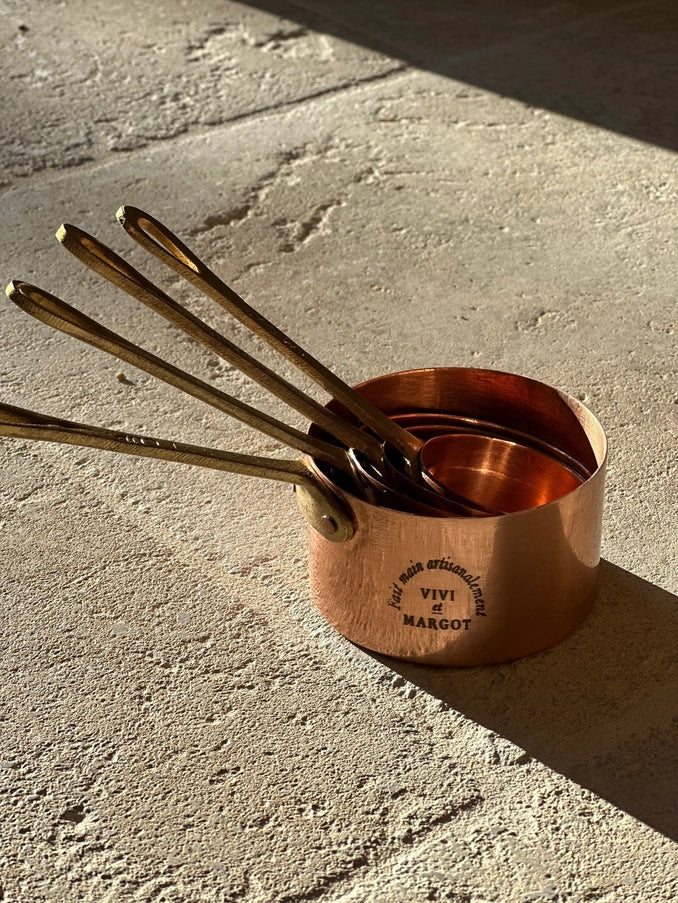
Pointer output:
468, 591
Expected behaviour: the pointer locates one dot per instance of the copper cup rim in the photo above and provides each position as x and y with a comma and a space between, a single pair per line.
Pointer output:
586, 418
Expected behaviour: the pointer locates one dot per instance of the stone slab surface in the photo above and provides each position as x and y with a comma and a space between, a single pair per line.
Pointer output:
177, 722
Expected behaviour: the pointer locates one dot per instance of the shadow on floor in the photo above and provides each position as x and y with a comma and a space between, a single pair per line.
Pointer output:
607, 62
600, 708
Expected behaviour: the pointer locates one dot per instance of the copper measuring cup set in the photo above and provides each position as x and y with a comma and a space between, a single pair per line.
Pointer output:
454, 514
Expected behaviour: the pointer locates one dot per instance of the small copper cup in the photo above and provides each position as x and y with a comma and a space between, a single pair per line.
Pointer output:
468, 590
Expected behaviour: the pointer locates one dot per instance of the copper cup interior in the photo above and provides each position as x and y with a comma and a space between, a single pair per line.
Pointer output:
497, 473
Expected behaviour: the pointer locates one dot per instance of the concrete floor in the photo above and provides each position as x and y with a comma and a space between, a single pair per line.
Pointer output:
397, 186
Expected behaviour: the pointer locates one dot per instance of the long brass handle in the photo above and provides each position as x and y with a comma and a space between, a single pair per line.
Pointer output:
61, 316
104, 261
156, 238
321, 507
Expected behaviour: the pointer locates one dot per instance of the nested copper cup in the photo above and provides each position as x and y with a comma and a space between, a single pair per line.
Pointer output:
469, 590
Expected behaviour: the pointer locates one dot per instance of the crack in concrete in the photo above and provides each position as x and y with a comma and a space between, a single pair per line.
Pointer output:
254, 196
233, 215
398, 69
299, 233
50, 172
202, 42
365, 864
280, 37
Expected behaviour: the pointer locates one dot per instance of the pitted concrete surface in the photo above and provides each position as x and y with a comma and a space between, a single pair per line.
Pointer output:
177, 721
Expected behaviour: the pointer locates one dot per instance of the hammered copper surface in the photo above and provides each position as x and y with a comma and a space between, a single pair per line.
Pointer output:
469, 591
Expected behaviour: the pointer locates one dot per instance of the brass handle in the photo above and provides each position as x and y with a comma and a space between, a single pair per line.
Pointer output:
323, 510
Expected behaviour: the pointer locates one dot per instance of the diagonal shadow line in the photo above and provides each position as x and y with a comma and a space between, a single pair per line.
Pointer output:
608, 62
600, 708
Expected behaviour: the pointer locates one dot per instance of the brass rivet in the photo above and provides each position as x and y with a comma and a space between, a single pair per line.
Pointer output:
328, 525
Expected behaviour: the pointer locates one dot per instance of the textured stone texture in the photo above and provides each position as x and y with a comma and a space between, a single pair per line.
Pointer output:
177, 723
